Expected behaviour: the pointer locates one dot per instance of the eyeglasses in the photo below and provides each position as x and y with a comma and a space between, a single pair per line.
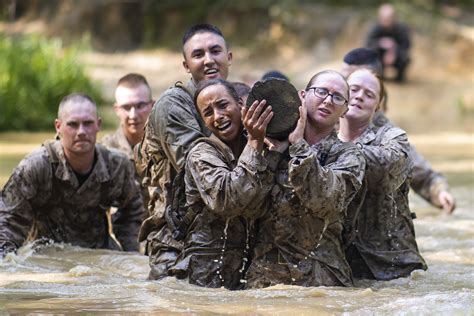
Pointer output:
140, 106
323, 93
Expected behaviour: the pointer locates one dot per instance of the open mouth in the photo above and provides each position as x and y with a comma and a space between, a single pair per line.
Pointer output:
222, 126
324, 111
210, 72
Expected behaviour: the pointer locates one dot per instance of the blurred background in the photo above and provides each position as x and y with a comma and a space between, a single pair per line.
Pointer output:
51, 48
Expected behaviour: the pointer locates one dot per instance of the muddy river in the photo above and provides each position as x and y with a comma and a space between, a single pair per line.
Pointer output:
63, 279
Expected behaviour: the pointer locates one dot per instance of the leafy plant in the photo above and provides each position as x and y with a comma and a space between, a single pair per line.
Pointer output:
35, 74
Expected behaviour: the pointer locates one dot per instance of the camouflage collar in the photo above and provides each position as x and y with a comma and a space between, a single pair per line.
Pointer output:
367, 136
123, 143
227, 148
325, 144
64, 171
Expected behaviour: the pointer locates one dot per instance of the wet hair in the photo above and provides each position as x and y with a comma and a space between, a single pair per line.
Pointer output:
381, 84
75, 98
364, 57
207, 83
274, 74
327, 72
241, 88
201, 28
132, 80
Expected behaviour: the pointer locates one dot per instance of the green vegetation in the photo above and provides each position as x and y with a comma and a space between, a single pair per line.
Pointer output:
35, 74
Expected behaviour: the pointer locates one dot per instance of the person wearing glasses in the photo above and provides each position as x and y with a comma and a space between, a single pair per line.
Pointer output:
133, 104
299, 240
383, 246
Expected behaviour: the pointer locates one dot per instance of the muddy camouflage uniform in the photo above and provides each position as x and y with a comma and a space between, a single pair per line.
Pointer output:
425, 181
299, 239
384, 247
43, 199
173, 124
229, 194
118, 140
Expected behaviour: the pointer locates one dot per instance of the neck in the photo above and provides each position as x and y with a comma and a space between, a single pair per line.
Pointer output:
133, 139
314, 135
349, 130
236, 146
80, 163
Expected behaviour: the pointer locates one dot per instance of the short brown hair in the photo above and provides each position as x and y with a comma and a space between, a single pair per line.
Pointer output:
132, 80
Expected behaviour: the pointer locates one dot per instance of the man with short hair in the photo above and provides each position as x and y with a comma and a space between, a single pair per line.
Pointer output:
391, 39
132, 106
62, 190
429, 184
172, 126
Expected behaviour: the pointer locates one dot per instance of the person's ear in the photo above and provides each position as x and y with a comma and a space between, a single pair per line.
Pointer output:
302, 95
116, 109
229, 58
185, 65
57, 125
99, 122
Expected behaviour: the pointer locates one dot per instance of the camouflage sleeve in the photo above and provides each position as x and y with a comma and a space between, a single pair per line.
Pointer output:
16, 210
225, 191
389, 158
425, 181
127, 219
329, 188
179, 127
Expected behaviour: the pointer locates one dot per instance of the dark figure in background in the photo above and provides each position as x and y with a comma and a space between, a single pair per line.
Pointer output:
426, 182
274, 74
172, 126
227, 180
391, 39
62, 190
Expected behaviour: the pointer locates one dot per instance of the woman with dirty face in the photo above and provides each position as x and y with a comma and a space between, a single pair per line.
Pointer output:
227, 179
381, 237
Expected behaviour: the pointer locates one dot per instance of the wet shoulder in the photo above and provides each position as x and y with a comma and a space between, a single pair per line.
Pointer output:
346, 149
115, 157
174, 99
36, 162
390, 132
206, 152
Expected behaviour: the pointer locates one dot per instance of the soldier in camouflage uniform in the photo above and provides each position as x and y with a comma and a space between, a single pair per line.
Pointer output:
61, 191
227, 179
384, 246
299, 240
132, 106
426, 182
172, 126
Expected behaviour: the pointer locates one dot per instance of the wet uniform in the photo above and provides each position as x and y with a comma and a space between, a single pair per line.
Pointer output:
173, 124
384, 247
299, 239
44, 199
229, 193
425, 181
118, 140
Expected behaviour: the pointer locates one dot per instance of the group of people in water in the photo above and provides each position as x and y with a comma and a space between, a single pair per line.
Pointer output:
229, 206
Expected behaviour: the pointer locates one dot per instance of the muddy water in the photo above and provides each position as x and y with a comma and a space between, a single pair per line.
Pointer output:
65, 279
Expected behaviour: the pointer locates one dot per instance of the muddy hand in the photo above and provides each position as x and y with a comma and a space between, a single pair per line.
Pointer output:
255, 120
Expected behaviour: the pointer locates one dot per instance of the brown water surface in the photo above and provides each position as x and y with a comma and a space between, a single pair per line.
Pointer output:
62, 279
